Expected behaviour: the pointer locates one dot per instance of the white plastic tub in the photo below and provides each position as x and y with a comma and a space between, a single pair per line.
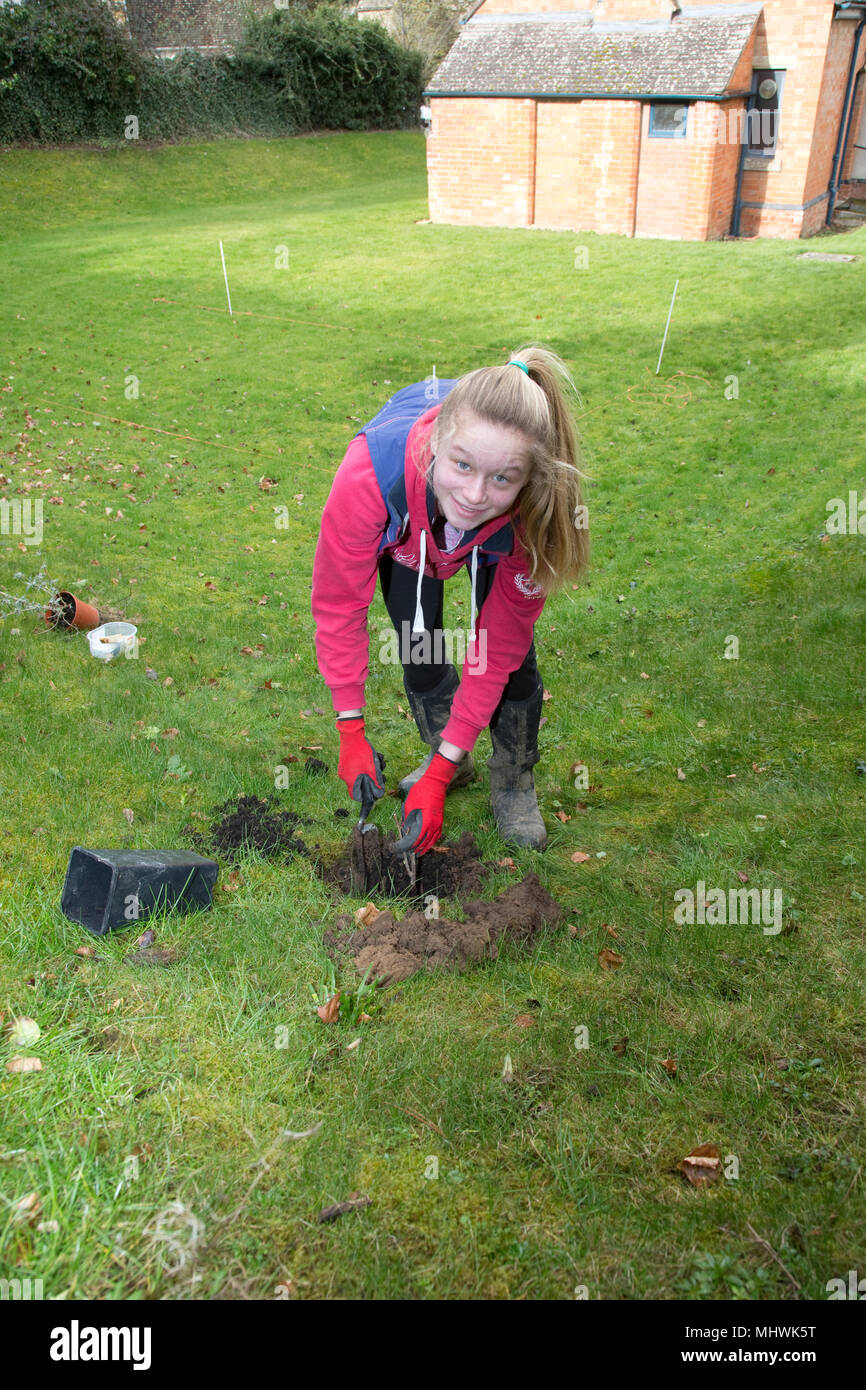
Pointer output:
111, 639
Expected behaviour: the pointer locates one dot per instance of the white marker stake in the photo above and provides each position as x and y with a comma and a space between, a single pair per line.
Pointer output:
667, 325
229, 298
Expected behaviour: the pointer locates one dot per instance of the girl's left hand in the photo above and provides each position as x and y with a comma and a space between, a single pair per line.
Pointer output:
424, 807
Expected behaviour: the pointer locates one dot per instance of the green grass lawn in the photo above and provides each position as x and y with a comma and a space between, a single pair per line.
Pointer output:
708, 504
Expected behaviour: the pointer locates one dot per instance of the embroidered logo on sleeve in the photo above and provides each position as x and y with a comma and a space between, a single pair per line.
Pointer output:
527, 587
404, 559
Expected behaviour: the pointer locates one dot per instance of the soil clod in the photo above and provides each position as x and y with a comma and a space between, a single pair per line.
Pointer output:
250, 823
394, 950
370, 866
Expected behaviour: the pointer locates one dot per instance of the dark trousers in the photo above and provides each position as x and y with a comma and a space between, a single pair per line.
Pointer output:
399, 588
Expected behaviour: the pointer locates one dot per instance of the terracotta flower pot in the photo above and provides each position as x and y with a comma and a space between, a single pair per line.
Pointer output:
75, 613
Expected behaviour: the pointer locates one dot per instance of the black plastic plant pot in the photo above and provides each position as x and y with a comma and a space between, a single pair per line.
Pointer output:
106, 889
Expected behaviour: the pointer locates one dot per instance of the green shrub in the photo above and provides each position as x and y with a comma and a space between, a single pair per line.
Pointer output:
68, 72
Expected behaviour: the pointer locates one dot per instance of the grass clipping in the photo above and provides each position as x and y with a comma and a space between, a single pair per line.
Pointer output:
393, 950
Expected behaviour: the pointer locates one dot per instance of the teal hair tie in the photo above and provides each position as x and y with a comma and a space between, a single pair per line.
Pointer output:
522, 365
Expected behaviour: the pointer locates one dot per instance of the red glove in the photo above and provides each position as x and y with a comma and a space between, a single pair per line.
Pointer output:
424, 807
358, 758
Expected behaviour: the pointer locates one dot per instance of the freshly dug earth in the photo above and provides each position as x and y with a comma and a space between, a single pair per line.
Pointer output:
370, 866
250, 823
393, 950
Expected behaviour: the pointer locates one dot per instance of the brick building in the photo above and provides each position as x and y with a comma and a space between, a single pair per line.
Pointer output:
651, 118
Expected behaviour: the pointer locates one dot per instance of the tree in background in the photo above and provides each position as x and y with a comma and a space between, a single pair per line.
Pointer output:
429, 27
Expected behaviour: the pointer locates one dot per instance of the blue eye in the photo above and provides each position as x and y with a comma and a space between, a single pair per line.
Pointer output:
461, 464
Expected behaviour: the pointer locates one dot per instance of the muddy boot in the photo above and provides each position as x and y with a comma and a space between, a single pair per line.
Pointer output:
514, 735
432, 710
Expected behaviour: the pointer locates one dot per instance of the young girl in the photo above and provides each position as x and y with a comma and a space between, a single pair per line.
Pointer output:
480, 471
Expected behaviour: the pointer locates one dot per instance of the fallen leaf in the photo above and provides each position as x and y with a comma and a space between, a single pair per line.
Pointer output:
744, 878
507, 1070
620, 1048
365, 1018
16, 1064
340, 1208
579, 857
147, 938
330, 1011
350, 1047
23, 1032
233, 882
670, 1066
84, 951
365, 915
210, 585
27, 1208
168, 680
560, 815
525, 1021
610, 960
170, 733
311, 747
611, 931
152, 955
506, 864
546, 695
644, 676
701, 1165
130, 815
681, 776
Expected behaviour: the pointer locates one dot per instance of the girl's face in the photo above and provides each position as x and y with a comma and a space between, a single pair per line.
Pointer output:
479, 474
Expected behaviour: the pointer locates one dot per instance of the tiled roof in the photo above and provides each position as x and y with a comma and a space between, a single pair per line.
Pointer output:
554, 54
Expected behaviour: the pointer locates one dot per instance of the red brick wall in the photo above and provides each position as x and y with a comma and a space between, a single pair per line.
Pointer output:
480, 160
586, 164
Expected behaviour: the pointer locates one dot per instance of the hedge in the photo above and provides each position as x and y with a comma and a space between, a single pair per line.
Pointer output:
68, 73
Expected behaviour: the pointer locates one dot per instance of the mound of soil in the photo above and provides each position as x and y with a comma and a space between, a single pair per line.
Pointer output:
393, 950
370, 866
250, 823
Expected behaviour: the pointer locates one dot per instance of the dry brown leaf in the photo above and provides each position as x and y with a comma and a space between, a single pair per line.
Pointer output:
365, 915
365, 1018
611, 931
147, 938
744, 878
525, 1021
546, 695
355, 1203
506, 864
580, 857
702, 1165
330, 1011
310, 747
620, 1048
610, 960
560, 815
350, 1047
681, 776
27, 1208
84, 951
130, 815
670, 1066
16, 1064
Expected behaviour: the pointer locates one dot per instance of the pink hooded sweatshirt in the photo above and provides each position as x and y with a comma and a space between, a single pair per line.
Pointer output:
344, 582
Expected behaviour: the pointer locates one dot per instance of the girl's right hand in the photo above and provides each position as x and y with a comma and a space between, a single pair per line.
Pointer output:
359, 759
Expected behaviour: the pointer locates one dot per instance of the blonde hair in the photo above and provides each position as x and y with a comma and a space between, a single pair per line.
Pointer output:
551, 520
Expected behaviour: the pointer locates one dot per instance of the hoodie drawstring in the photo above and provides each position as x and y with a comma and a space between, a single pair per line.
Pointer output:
474, 575
418, 624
